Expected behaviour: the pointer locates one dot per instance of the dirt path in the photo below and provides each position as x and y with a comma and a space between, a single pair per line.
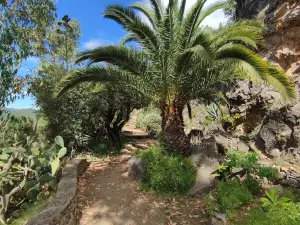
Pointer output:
108, 197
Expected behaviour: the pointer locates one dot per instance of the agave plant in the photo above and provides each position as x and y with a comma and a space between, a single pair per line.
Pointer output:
176, 59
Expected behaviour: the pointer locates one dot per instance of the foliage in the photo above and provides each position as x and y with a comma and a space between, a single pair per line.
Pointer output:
253, 185
273, 199
211, 204
292, 193
276, 215
231, 119
246, 163
232, 195
178, 60
28, 169
167, 174
22, 33
149, 119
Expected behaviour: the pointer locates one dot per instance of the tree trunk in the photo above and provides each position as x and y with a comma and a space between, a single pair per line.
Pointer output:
173, 129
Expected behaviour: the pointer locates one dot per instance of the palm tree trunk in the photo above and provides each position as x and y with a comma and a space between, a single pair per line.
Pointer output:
173, 130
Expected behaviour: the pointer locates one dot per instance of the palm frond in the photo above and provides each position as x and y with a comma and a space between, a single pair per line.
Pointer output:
158, 8
134, 25
278, 79
181, 11
258, 68
190, 21
90, 74
126, 58
146, 11
207, 11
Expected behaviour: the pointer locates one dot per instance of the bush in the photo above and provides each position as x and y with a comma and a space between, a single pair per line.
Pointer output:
149, 119
253, 185
167, 174
276, 215
232, 195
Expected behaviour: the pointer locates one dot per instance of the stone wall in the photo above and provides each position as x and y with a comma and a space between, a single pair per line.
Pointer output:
63, 209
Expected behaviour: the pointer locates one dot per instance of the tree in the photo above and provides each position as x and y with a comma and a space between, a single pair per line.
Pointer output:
177, 60
87, 111
22, 33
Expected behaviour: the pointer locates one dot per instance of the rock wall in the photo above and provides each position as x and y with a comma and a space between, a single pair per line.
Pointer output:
282, 20
63, 209
278, 126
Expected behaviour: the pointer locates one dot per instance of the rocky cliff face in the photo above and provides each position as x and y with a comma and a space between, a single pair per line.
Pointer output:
282, 20
279, 127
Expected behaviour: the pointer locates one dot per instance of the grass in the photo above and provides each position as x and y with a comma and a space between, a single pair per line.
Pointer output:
28, 214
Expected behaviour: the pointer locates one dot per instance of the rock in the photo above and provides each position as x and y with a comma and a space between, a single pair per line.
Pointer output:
205, 158
234, 143
276, 131
275, 153
218, 219
282, 19
135, 168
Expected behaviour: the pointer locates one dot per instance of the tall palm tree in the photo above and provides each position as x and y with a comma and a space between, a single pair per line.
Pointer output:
175, 59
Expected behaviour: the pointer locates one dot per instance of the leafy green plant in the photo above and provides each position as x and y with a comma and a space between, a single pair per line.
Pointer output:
149, 119
169, 174
273, 198
232, 195
281, 138
222, 172
253, 185
274, 215
231, 118
246, 166
31, 168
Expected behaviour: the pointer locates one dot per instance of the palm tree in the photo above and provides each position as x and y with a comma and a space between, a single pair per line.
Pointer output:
175, 59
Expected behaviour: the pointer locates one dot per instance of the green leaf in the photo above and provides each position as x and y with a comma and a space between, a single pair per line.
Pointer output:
30, 184
62, 152
55, 166
43, 162
24, 206
45, 178
4, 156
35, 151
59, 141
32, 194
41, 196
52, 184
21, 150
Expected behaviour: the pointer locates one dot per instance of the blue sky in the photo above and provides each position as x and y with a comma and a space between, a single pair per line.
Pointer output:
96, 30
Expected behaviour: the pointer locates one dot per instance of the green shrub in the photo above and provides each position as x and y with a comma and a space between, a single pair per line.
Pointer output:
276, 215
292, 193
167, 174
253, 185
232, 195
149, 119
268, 172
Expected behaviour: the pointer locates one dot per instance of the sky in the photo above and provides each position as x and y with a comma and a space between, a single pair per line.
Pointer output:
96, 30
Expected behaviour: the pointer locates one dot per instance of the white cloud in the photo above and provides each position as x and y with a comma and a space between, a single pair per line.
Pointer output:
213, 20
93, 43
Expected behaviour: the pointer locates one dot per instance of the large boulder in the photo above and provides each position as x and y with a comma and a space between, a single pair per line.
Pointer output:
224, 142
279, 130
206, 159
